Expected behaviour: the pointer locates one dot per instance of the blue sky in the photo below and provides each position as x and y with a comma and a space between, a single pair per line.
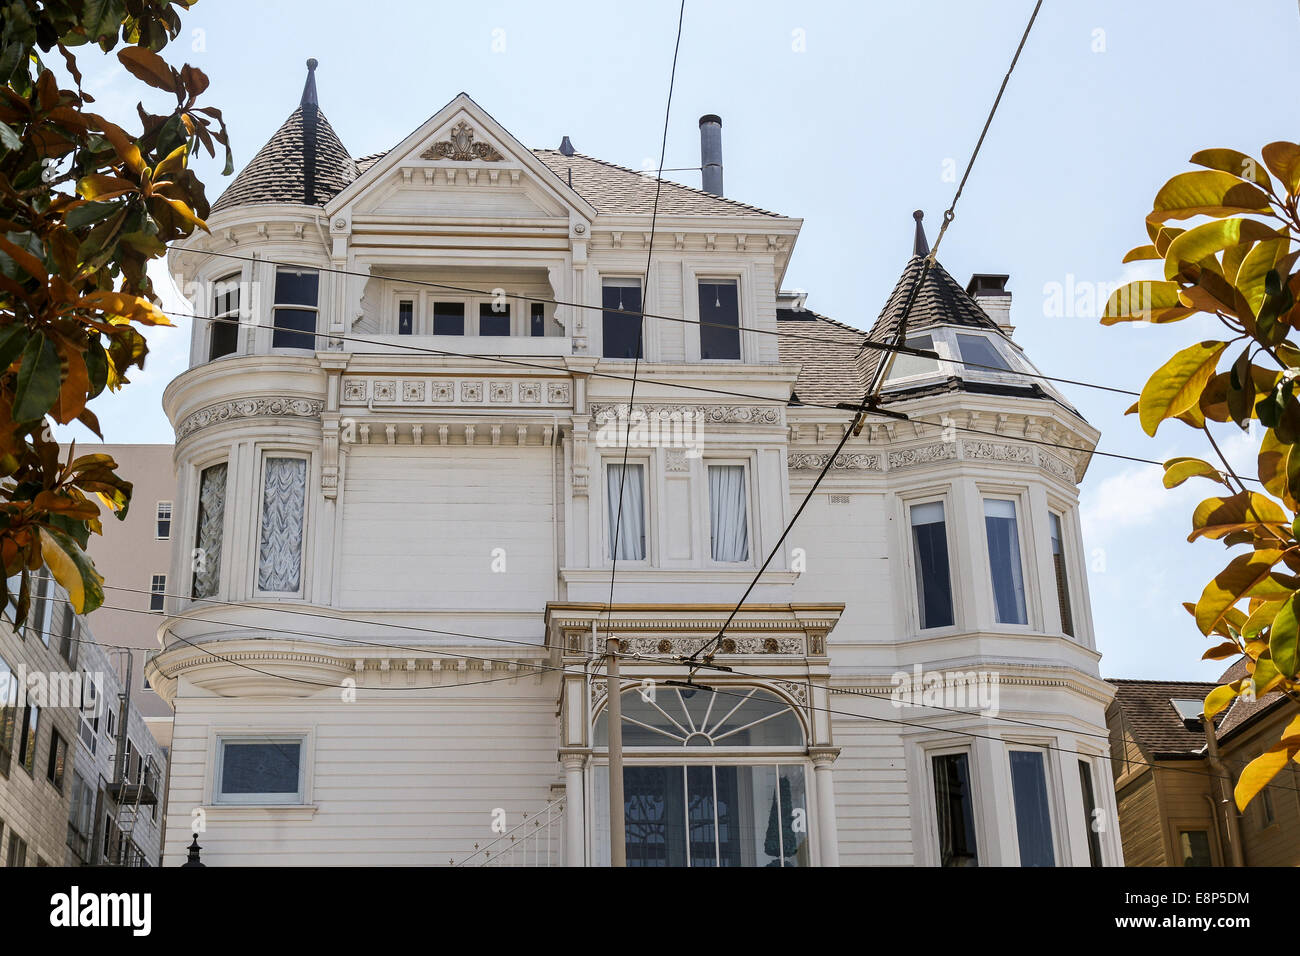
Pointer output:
847, 115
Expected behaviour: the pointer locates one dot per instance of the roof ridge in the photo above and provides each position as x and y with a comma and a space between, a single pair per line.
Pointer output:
671, 182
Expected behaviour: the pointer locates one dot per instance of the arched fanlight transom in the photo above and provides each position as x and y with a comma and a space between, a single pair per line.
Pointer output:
663, 717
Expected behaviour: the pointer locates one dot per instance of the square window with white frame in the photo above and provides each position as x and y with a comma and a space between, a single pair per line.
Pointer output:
260, 770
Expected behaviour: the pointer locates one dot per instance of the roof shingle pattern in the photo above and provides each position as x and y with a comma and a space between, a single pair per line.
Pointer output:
275, 174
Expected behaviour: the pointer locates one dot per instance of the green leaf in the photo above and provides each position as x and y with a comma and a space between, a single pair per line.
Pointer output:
12, 339
1282, 639
89, 212
38, 379
73, 569
1176, 386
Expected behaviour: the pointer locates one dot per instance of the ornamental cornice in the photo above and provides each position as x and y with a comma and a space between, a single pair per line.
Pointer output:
244, 408
413, 392
813, 461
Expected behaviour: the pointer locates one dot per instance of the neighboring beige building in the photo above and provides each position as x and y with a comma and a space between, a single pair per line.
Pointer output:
134, 555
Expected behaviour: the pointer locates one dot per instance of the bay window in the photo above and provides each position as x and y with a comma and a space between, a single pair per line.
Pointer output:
1062, 576
728, 513
294, 315
208, 531
621, 331
719, 319
223, 333
1032, 807
1004, 560
1091, 813
279, 553
626, 524
930, 552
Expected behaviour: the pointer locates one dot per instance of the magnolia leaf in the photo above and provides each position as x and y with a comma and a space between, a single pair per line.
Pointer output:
1254, 270
1260, 618
1221, 652
1292, 732
1176, 386
1236, 163
149, 66
73, 569
1260, 771
1208, 193
1145, 301
1215, 517
1247, 575
38, 379
1283, 161
1212, 238
1282, 637
1218, 699
1140, 253
1178, 470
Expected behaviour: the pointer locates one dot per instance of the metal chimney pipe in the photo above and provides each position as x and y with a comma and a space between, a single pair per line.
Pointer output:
711, 153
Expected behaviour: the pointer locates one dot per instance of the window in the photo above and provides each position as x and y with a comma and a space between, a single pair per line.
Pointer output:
1033, 812
164, 531
17, 850
930, 547
157, 592
621, 333
279, 553
449, 318
537, 319
719, 319
1092, 818
8, 714
728, 523
88, 730
207, 536
907, 365
1267, 814
406, 317
223, 339
255, 770
40, 616
626, 524
978, 350
494, 318
1004, 560
67, 635
294, 316
955, 810
1062, 577
693, 809
1188, 708
27, 738
58, 760
1195, 847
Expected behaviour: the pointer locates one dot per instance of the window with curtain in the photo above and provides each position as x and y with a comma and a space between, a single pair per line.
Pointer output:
626, 532
294, 316
207, 536
1004, 560
955, 810
728, 511
223, 334
719, 319
1062, 576
1033, 811
1090, 816
621, 332
930, 550
279, 553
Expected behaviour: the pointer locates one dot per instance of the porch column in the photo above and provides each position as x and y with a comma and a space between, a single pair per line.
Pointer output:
575, 826
822, 758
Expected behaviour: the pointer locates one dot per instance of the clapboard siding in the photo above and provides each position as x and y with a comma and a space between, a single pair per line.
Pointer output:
873, 816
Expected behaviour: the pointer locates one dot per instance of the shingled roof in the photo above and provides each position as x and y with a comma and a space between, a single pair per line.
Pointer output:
1155, 725
277, 174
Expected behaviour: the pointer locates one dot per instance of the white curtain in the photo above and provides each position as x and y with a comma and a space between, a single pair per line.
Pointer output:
284, 493
727, 513
626, 534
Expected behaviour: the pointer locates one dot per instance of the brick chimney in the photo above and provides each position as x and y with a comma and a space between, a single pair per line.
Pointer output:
990, 292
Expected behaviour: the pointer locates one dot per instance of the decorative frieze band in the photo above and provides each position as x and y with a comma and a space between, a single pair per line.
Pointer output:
1010, 453
433, 392
249, 408
708, 414
801, 461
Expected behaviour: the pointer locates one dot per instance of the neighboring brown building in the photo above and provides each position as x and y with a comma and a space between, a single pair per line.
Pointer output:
1174, 807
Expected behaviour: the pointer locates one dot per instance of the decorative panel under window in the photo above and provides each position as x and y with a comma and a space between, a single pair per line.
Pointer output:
279, 557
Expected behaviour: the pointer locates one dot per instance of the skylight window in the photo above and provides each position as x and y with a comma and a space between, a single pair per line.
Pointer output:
979, 351
906, 365
1188, 709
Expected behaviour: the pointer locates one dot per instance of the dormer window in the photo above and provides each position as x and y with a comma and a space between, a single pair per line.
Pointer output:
620, 330
979, 351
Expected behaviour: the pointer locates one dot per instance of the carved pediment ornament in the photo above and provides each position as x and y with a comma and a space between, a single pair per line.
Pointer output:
461, 147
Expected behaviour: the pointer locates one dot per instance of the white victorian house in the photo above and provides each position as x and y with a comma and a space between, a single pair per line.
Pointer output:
399, 463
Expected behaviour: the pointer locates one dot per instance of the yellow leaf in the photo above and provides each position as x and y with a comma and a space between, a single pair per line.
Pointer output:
1145, 301
1178, 470
1283, 161
1218, 699
1176, 386
1206, 193
1216, 517
1247, 575
1210, 239
1260, 771
1235, 162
